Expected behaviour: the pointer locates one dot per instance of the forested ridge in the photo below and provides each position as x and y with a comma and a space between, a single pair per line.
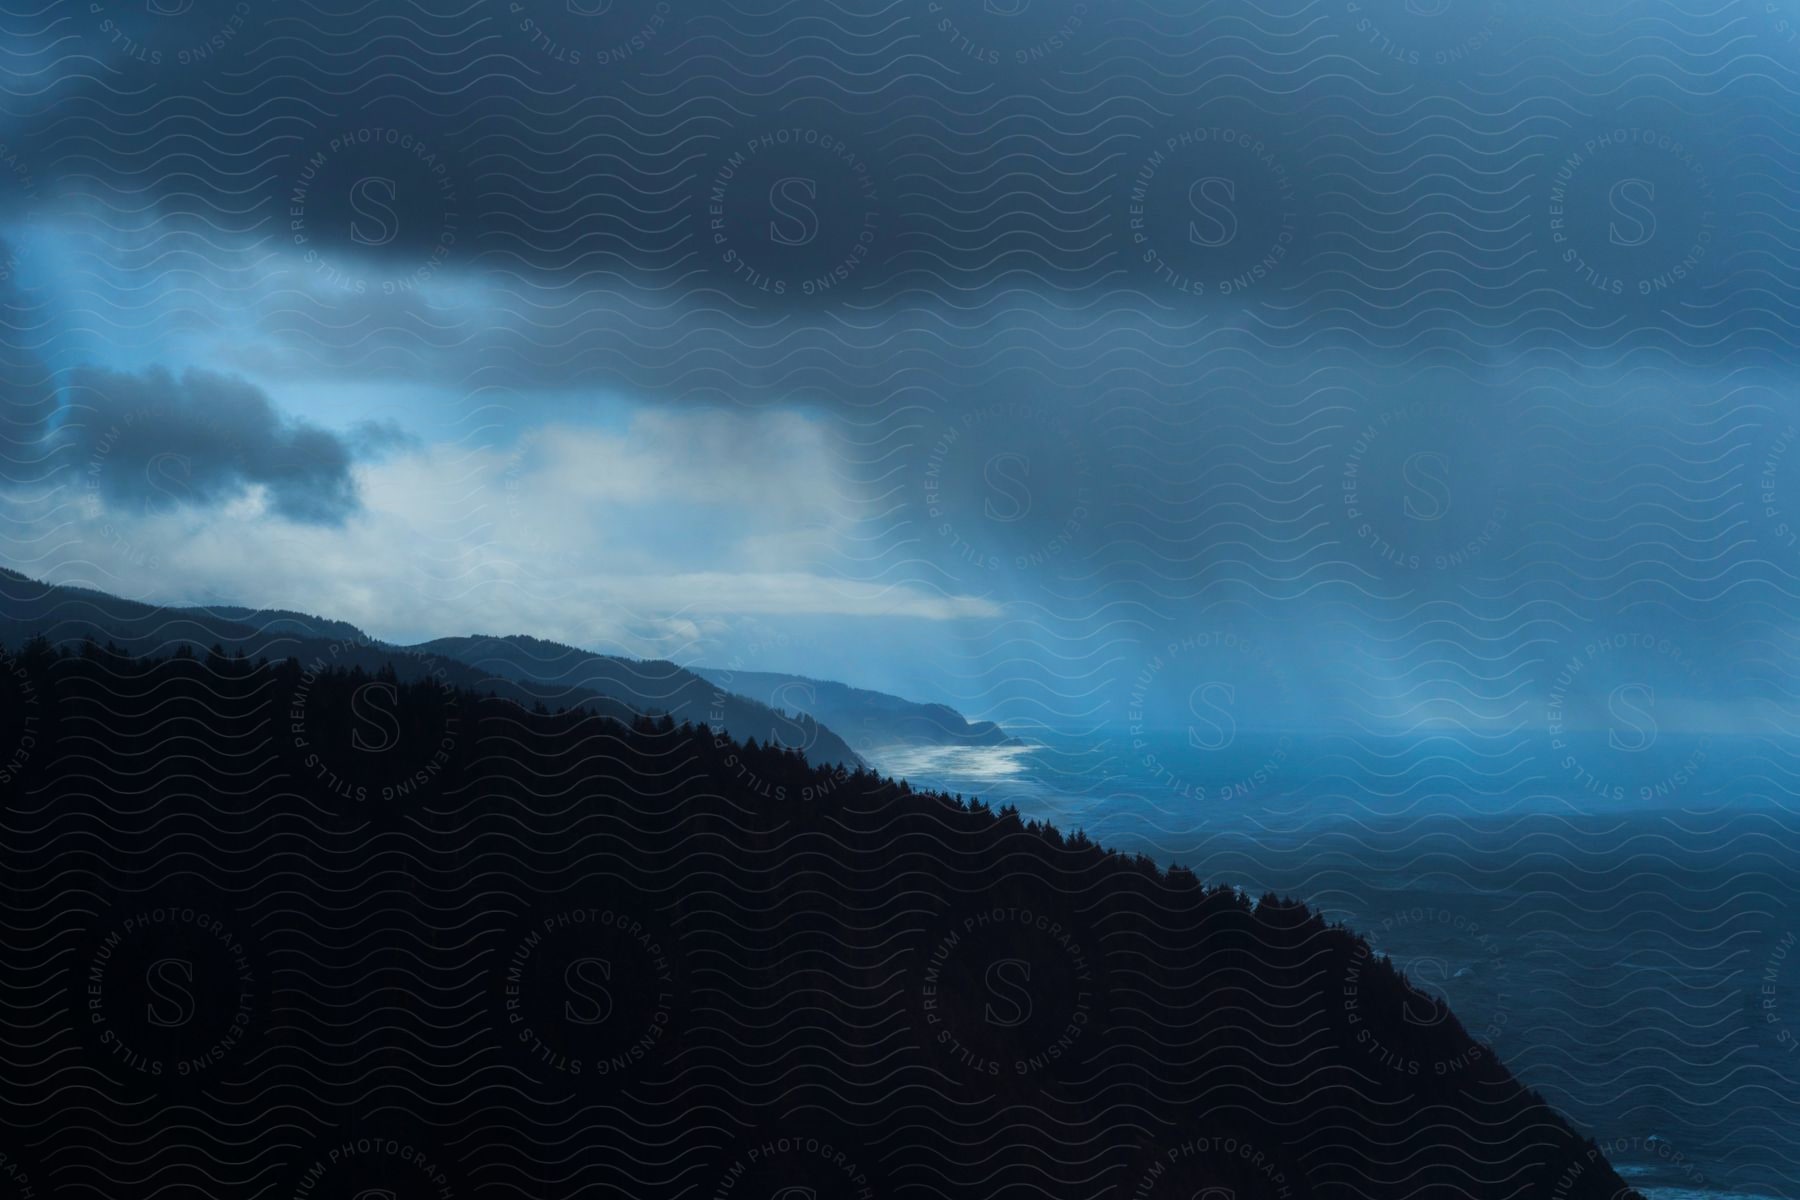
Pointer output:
364, 932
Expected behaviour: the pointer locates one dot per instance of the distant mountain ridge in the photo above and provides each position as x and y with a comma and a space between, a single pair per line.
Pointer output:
276, 620
826, 720
657, 685
68, 616
868, 720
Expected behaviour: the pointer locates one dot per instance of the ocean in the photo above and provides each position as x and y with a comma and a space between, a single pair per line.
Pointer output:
1619, 919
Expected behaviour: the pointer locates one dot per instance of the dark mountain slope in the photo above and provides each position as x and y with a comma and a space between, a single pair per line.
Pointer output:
868, 720
304, 934
273, 620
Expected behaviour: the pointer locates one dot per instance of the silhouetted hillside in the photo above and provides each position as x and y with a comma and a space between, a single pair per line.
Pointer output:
340, 931
869, 721
519, 669
68, 617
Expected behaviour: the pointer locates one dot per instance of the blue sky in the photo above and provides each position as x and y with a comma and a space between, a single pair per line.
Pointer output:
977, 352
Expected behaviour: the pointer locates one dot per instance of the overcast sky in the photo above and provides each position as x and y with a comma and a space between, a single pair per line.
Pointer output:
989, 352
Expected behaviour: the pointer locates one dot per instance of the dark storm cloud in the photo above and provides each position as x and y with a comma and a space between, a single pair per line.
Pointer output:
1391, 169
1123, 308
28, 393
153, 442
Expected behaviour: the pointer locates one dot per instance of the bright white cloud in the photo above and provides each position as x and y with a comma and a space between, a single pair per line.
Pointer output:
653, 538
